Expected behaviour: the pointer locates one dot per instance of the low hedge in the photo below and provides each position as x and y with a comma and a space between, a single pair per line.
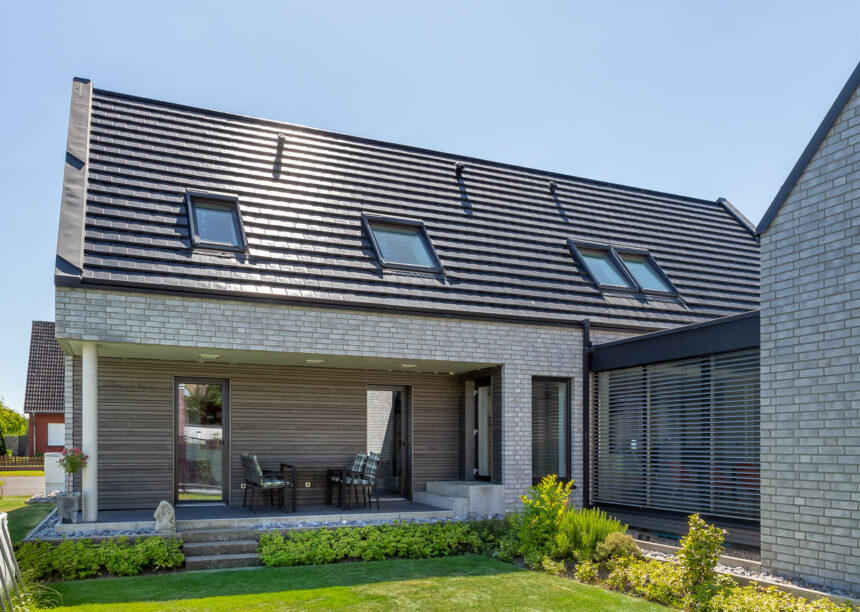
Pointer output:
373, 543
73, 559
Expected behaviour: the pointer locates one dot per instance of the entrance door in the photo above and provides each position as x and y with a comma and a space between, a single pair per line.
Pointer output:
388, 433
201, 460
483, 429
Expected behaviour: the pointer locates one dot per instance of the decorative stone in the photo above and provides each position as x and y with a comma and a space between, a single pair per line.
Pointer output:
67, 507
165, 518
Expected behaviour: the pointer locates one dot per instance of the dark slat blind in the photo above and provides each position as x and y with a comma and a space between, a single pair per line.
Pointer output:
549, 428
680, 435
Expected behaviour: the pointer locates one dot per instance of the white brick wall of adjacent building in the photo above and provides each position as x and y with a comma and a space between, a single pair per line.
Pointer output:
810, 360
524, 350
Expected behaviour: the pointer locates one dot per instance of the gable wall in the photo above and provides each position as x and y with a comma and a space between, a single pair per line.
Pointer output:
810, 352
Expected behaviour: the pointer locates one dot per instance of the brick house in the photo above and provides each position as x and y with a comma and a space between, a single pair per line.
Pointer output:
228, 284
44, 395
810, 357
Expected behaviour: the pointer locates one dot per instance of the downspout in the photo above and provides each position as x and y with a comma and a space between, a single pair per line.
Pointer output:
586, 401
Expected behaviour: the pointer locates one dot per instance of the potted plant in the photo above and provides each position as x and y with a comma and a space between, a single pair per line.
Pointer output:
73, 461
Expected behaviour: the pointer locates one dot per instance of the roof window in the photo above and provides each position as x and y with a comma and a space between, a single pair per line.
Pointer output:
402, 244
622, 268
215, 221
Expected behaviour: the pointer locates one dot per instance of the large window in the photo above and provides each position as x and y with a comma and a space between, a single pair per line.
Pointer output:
401, 243
679, 435
215, 221
621, 268
550, 428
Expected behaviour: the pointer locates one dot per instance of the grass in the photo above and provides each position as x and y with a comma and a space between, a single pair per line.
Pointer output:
23, 518
13, 473
450, 583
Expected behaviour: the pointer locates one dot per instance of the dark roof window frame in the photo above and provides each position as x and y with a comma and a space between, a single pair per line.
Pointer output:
615, 255
228, 201
370, 221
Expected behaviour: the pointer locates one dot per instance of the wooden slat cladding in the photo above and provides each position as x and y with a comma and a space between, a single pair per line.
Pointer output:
310, 417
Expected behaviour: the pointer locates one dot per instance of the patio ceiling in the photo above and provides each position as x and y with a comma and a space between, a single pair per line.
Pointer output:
274, 357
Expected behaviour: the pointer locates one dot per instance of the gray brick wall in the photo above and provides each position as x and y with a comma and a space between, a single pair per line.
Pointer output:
810, 365
523, 350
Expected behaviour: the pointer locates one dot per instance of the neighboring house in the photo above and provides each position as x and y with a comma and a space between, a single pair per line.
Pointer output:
810, 357
228, 284
44, 398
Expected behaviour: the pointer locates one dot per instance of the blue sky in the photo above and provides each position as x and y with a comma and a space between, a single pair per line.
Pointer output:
705, 99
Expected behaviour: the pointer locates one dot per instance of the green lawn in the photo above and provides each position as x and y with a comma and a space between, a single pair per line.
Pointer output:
453, 583
14, 473
23, 518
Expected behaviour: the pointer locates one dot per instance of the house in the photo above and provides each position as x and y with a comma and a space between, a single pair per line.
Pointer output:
810, 357
44, 398
228, 284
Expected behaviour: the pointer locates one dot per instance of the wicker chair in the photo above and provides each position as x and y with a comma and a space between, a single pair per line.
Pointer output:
367, 482
258, 480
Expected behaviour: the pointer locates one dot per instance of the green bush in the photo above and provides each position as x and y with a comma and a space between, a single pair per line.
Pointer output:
538, 524
580, 532
769, 599
700, 550
586, 572
373, 543
73, 559
616, 545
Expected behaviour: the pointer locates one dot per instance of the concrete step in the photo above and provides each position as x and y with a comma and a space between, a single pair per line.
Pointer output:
232, 547
206, 562
484, 498
218, 535
458, 505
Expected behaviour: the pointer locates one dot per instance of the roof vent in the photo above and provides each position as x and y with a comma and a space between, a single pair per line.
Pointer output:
553, 186
458, 169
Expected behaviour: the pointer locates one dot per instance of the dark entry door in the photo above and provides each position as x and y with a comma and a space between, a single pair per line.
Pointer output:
388, 433
201, 449
483, 429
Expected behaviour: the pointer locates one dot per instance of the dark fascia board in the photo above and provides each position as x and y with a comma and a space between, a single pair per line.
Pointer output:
727, 334
540, 175
615, 253
369, 220
70, 236
810, 150
231, 200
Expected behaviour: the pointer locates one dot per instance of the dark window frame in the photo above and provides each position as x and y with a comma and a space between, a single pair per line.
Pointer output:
369, 221
568, 423
218, 199
615, 256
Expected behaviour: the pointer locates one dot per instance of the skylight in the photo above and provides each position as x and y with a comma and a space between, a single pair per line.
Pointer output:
215, 221
621, 268
401, 243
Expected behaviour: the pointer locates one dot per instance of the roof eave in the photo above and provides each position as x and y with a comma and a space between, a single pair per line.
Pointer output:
817, 138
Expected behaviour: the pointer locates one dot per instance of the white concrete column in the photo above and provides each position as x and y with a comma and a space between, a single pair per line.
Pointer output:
90, 429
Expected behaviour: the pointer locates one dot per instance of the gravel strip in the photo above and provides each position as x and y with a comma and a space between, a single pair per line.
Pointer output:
47, 532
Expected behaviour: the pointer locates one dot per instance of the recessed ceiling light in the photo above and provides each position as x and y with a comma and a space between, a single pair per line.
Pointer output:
208, 356
314, 360
408, 365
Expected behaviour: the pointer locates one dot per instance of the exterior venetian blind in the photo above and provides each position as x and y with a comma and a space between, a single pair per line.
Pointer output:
680, 436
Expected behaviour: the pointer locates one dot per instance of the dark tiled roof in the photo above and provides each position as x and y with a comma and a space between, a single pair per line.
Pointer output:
45, 371
498, 229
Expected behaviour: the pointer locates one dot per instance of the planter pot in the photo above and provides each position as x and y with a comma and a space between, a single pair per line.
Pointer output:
67, 507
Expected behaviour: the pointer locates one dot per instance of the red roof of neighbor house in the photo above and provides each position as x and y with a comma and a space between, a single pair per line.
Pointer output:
45, 371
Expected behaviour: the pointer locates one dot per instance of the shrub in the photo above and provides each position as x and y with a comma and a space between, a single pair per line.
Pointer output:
410, 541
616, 545
580, 532
73, 559
556, 568
586, 572
700, 550
538, 524
769, 599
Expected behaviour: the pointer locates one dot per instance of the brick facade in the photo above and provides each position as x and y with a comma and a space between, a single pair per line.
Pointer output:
523, 350
810, 360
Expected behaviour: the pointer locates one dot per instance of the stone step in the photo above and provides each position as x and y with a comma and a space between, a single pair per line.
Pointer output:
483, 498
232, 547
459, 505
218, 535
206, 562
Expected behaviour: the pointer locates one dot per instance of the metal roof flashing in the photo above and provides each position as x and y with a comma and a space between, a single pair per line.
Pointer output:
70, 235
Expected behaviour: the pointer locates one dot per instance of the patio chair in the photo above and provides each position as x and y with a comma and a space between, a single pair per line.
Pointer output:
258, 480
367, 482
345, 479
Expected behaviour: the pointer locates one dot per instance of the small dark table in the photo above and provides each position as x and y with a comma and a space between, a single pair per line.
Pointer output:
341, 473
292, 469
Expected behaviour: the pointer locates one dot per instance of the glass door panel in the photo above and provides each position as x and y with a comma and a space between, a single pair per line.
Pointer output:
483, 431
386, 435
200, 442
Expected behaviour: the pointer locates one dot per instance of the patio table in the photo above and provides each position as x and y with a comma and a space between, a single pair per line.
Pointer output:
292, 469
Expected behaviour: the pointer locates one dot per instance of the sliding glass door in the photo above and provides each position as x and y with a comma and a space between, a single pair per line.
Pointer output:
201, 460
